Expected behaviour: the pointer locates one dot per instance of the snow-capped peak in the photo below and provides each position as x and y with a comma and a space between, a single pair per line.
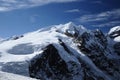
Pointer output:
114, 29
71, 28
114, 33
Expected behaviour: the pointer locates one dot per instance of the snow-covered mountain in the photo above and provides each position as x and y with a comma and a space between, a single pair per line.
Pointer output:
63, 52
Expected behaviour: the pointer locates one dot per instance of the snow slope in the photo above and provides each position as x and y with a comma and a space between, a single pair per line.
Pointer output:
10, 76
16, 52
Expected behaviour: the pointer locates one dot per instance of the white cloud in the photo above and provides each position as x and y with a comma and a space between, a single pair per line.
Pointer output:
72, 11
111, 23
104, 16
4, 9
7, 5
107, 18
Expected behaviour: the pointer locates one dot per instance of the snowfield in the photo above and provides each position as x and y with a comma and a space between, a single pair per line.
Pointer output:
31, 44
10, 76
16, 52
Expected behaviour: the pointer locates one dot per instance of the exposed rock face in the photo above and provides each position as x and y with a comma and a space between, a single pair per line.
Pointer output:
50, 65
16, 37
117, 48
94, 45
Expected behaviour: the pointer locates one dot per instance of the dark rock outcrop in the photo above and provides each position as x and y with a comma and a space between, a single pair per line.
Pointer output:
50, 65
117, 48
94, 45
16, 37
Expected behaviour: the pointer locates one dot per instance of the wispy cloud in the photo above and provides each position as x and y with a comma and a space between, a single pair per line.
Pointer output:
104, 16
111, 23
7, 5
72, 11
107, 18
80, 11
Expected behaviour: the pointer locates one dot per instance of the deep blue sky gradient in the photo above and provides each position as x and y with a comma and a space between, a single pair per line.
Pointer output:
20, 21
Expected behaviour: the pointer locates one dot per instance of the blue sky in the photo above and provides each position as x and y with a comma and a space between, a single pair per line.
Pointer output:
21, 16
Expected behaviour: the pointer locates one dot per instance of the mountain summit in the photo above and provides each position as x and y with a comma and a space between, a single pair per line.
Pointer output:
63, 52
